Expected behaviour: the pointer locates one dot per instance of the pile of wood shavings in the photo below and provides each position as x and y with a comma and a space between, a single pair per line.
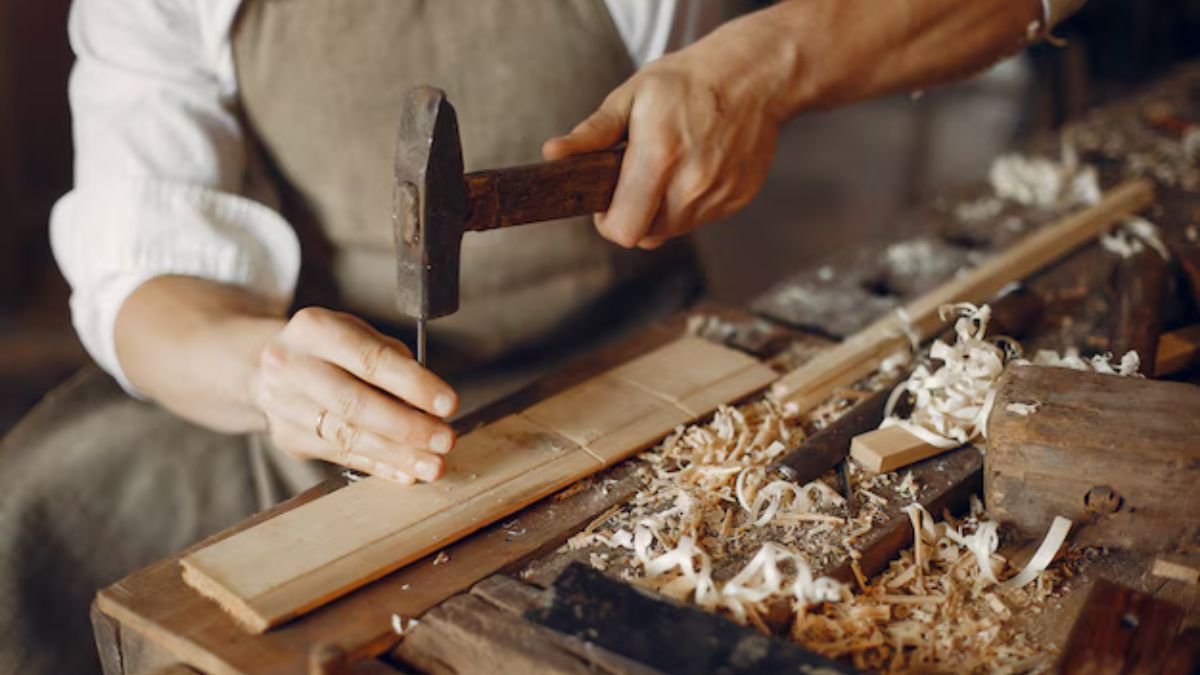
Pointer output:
934, 610
707, 548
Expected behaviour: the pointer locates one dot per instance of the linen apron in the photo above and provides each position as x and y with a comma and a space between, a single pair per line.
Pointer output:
94, 484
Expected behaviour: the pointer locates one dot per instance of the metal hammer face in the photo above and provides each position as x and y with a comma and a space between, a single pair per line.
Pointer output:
429, 205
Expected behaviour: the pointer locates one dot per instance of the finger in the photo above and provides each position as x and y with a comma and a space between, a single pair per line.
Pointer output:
366, 451
639, 194
304, 443
330, 388
365, 353
603, 129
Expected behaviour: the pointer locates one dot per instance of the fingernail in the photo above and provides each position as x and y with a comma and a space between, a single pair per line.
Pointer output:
443, 404
402, 478
427, 469
441, 442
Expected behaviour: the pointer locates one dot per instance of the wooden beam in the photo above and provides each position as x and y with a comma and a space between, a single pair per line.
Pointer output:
308, 556
859, 355
1141, 282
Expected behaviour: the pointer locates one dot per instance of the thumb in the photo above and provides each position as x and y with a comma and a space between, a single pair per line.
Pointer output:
604, 129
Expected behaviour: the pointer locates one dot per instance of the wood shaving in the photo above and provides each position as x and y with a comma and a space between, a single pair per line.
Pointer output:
1132, 237
402, 625
441, 558
1023, 409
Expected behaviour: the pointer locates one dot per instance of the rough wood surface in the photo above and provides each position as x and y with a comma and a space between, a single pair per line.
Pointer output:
860, 354
315, 553
485, 632
1121, 630
1118, 456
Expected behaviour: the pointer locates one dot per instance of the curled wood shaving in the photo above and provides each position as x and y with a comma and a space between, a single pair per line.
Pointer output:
1132, 237
951, 402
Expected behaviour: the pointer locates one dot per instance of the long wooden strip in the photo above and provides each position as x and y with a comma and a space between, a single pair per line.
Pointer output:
860, 354
308, 556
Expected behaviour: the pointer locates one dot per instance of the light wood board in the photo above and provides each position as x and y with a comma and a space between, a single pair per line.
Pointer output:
306, 557
860, 354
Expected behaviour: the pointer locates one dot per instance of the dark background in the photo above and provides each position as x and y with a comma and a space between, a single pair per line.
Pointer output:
839, 178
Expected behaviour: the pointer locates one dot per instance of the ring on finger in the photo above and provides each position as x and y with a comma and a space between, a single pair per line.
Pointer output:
321, 423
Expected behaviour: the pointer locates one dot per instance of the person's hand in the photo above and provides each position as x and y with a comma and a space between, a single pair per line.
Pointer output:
701, 126
331, 387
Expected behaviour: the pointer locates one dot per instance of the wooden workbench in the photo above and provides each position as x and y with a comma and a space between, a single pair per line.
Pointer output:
475, 610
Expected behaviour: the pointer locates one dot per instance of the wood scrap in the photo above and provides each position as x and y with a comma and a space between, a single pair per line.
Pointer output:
1178, 351
319, 551
1177, 567
889, 449
1116, 455
860, 354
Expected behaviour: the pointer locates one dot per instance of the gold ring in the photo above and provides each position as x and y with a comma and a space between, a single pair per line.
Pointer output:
321, 421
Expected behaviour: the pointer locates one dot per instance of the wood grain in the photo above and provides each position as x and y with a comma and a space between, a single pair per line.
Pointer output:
313, 554
1121, 630
859, 355
1141, 282
1116, 455
891, 448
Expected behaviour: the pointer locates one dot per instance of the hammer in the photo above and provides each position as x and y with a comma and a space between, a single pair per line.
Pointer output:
434, 203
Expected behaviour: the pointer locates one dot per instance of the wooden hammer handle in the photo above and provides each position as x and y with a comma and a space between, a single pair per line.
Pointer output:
574, 186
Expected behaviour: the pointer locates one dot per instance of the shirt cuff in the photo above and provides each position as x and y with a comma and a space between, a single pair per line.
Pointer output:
110, 239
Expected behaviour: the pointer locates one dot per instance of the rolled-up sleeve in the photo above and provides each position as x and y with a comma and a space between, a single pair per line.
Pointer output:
161, 169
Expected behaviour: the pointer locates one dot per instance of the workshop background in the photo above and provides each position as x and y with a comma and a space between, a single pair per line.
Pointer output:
839, 180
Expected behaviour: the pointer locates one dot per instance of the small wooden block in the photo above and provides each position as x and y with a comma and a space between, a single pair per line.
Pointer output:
1178, 351
1177, 568
889, 449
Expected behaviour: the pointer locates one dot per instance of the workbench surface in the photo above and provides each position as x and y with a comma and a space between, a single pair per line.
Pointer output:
489, 594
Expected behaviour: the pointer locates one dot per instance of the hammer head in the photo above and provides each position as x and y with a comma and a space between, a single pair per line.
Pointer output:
429, 205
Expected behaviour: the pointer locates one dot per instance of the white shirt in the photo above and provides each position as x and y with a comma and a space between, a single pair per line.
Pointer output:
161, 175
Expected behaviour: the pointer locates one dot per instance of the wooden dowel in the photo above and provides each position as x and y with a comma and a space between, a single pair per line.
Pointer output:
859, 354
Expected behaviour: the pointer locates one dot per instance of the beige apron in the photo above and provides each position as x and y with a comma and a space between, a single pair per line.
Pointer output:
94, 484
321, 84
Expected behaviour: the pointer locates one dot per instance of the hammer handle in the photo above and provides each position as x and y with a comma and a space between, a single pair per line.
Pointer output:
574, 186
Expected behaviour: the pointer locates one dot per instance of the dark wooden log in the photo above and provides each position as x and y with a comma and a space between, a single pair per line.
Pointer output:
1141, 282
1121, 630
666, 635
1116, 455
485, 632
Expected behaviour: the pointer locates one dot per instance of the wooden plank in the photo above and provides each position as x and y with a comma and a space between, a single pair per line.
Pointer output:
155, 602
1121, 630
310, 555
484, 632
1116, 455
891, 448
1178, 351
859, 355
108, 642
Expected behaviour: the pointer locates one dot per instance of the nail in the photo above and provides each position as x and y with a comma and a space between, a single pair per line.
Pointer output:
441, 442
427, 469
443, 404
402, 478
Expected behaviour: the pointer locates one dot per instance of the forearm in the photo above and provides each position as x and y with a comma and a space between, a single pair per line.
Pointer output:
192, 345
827, 53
